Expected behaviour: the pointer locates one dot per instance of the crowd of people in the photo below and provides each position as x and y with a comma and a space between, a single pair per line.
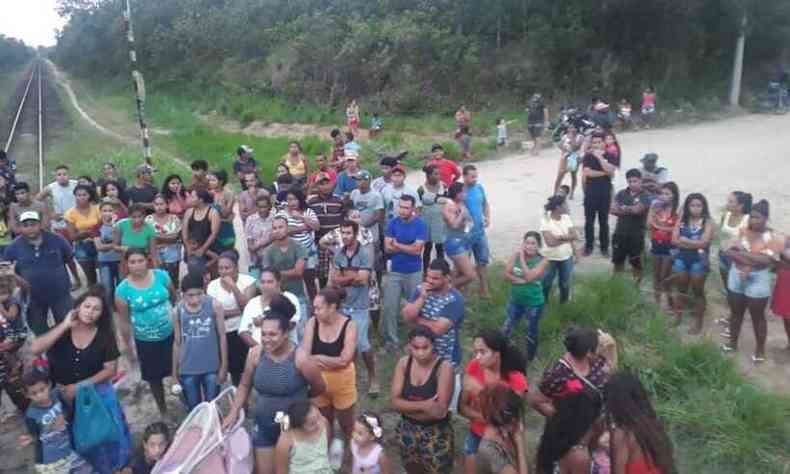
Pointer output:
337, 258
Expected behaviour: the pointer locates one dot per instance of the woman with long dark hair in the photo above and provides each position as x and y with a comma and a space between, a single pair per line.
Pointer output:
496, 362
431, 194
82, 350
734, 218
750, 281
82, 220
168, 236
570, 436
224, 201
661, 220
175, 195
691, 239
639, 443
502, 448
201, 225
456, 244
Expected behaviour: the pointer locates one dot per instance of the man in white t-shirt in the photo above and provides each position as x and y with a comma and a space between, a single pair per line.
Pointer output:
270, 297
62, 193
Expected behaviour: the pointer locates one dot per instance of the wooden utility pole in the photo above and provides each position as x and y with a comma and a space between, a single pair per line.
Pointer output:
139, 82
737, 64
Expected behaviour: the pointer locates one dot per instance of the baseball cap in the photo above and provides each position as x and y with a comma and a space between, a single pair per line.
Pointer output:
649, 157
389, 161
351, 155
399, 169
144, 169
244, 149
29, 216
323, 177
435, 147
363, 174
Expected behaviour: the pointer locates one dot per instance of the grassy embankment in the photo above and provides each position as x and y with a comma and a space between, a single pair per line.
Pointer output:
9, 80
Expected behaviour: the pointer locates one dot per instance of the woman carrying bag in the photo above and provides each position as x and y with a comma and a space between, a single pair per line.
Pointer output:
83, 357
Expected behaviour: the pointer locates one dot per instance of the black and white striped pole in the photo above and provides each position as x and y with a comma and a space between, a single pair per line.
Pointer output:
139, 83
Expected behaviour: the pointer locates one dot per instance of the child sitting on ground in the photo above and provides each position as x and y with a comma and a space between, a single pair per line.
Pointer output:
156, 439
303, 444
12, 336
46, 421
366, 449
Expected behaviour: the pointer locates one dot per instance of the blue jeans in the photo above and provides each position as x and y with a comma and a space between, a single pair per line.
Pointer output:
394, 286
38, 312
109, 277
517, 311
199, 388
563, 268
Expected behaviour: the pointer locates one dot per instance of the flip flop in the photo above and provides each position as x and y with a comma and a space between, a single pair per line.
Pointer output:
758, 360
727, 348
374, 390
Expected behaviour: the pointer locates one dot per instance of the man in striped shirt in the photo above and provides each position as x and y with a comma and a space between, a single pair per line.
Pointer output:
329, 210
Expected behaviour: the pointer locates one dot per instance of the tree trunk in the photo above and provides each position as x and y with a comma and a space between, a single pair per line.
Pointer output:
737, 65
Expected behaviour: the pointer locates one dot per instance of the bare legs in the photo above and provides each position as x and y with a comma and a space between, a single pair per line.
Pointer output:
464, 271
697, 286
739, 303
662, 268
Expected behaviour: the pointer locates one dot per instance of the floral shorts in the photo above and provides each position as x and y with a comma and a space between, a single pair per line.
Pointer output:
431, 447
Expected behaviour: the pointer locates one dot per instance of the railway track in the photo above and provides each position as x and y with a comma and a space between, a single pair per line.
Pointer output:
25, 140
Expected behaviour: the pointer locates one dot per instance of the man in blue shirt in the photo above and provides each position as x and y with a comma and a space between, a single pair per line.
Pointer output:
404, 240
41, 259
477, 203
345, 180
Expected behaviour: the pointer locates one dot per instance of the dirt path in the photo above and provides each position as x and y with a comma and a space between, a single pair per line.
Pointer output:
746, 153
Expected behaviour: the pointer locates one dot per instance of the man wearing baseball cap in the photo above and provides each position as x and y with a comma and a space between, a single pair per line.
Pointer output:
369, 203
329, 210
41, 259
386, 164
449, 171
653, 176
345, 180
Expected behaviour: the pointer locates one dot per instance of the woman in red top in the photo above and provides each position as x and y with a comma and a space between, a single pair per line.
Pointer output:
781, 298
661, 220
495, 362
639, 444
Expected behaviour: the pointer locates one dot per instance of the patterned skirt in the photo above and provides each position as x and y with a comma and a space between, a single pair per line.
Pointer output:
427, 449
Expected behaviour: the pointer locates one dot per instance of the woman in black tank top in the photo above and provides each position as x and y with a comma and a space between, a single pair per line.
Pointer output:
201, 225
330, 339
422, 386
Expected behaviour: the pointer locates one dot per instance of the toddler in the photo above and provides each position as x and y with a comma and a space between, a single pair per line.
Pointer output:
366, 448
156, 439
303, 444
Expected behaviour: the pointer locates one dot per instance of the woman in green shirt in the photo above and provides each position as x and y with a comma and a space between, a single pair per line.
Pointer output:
134, 232
525, 271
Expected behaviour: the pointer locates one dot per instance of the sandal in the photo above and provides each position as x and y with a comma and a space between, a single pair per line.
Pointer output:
758, 360
727, 348
374, 390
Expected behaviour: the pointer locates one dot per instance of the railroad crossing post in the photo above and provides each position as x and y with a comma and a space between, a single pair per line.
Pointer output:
139, 82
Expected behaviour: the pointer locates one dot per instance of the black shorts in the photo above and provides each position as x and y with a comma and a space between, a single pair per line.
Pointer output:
536, 130
156, 359
628, 246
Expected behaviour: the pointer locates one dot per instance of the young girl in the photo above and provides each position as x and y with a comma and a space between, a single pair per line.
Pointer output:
109, 258
200, 349
366, 449
302, 446
156, 439
501, 132
661, 220
168, 233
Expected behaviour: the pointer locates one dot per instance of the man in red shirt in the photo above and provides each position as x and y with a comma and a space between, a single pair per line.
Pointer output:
449, 171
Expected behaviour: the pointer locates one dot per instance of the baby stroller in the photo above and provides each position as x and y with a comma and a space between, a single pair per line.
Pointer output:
201, 447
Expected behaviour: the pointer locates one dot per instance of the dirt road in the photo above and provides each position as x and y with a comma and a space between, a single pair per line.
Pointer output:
747, 153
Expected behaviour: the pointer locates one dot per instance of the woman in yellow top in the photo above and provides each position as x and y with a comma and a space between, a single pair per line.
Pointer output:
296, 162
83, 221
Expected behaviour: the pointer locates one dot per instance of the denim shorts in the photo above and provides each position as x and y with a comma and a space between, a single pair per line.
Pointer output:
694, 265
361, 318
758, 284
455, 246
85, 251
472, 444
265, 434
479, 245
659, 248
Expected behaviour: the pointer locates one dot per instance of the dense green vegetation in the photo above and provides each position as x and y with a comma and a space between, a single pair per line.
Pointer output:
416, 56
13, 53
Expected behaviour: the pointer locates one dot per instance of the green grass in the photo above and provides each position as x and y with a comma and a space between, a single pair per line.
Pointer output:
719, 420
9, 80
